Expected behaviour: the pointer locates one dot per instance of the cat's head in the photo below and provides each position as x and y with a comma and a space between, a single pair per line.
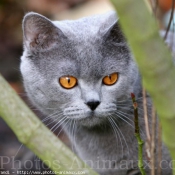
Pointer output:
77, 69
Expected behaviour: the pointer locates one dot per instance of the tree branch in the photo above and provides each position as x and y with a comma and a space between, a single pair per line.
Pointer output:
137, 134
154, 62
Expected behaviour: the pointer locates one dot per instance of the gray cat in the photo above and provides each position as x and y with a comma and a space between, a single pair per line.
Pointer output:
83, 73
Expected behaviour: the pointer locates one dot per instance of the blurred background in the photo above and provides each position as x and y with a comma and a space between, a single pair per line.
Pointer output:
11, 15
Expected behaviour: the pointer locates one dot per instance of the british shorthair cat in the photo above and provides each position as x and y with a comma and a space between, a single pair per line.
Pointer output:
82, 72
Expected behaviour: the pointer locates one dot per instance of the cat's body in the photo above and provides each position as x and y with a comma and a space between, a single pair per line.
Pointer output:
96, 116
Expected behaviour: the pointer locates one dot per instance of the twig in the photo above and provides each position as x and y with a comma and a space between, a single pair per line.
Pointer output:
146, 116
171, 18
159, 148
148, 141
153, 141
137, 134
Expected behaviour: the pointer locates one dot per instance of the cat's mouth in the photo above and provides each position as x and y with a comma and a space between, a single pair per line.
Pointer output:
89, 119
83, 115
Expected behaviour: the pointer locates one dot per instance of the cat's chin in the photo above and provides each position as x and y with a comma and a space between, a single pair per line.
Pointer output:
91, 121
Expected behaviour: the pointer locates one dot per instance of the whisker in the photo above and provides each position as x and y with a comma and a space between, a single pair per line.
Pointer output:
140, 118
48, 117
53, 120
140, 98
119, 113
116, 132
73, 134
125, 104
130, 100
68, 120
123, 101
18, 150
58, 123
121, 134
125, 120
125, 108
71, 131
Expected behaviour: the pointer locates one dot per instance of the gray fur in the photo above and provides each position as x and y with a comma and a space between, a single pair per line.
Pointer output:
88, 49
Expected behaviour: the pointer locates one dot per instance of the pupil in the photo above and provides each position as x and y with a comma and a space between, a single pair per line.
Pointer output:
68, 79
109, 76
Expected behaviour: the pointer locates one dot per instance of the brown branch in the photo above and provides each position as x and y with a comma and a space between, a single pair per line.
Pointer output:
153, 141
137, 134
159, 148
171, 18
146, 116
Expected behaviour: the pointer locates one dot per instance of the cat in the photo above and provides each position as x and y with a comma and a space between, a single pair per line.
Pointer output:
83, 72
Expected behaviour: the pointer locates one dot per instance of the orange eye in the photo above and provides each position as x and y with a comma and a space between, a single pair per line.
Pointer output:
68, 82
110, 79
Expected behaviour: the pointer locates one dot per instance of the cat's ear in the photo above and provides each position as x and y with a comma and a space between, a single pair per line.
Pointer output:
39, 32
114, 34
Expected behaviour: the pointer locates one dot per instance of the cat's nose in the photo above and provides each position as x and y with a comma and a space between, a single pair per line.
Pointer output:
93, 104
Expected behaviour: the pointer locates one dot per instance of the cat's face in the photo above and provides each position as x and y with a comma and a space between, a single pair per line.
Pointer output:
79, 69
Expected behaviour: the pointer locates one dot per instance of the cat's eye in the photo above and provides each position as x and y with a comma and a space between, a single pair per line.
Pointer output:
110, 79
68, 82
